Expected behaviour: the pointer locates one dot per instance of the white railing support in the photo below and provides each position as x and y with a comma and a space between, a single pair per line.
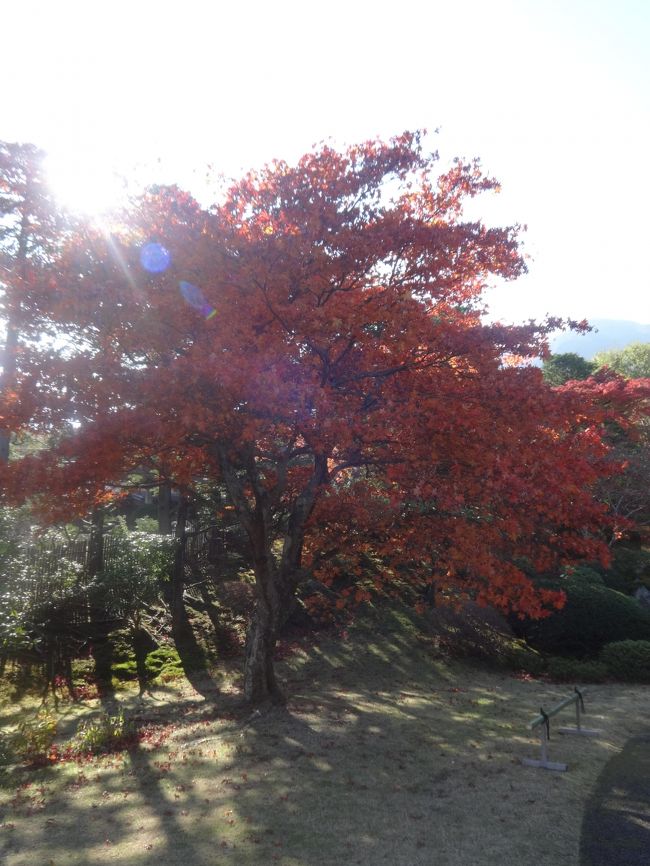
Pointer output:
543, 723
579, 730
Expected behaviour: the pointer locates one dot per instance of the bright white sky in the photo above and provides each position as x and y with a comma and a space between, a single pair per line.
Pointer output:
553, 95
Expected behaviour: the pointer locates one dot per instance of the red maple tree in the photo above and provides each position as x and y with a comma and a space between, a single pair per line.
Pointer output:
314, 342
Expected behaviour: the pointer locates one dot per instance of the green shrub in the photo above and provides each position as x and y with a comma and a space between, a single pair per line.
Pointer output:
83, 670
576, 670
24, 679
628, 660
164, 663
105, 734
125, 671
584, 574
34, 738
147, 525
170, 673
630, 568
121, 645
593, 616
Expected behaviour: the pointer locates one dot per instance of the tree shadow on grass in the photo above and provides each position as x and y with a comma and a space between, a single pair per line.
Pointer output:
304, 785
199, 677
616, 825
194, 662
376, 763
136, 810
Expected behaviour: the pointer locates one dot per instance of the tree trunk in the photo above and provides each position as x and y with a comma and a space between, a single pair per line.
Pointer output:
11, 342
165, 509
260, 684
191, 654
272, 608
143, 644
275, 582
276, 585
102, 650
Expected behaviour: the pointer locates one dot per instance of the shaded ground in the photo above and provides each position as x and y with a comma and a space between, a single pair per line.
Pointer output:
384, 755
616, 826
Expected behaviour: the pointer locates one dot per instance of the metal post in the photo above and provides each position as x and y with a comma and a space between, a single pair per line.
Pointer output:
544, 736
579, 730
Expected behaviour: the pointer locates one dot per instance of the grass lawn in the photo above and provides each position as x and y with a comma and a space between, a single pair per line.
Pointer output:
384, 754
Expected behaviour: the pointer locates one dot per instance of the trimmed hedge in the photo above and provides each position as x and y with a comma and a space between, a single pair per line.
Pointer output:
630, 568
628, 660
577, 671
593, 616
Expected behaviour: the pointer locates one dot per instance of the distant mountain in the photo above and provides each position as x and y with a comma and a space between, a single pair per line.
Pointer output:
607, 334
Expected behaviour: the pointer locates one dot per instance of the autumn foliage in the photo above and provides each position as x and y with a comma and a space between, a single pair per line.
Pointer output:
314, 343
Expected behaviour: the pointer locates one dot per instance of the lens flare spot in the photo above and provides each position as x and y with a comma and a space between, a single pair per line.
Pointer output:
195, 298
155, 258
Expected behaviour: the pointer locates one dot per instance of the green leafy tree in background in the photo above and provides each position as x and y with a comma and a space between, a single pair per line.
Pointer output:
628, 494
633, 361
565, 367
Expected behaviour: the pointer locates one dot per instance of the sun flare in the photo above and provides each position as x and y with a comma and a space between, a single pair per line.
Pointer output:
85, 186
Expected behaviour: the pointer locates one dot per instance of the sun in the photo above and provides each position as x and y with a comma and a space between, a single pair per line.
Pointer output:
85, 185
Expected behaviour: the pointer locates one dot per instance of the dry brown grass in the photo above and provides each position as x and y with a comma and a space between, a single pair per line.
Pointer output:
384, 755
